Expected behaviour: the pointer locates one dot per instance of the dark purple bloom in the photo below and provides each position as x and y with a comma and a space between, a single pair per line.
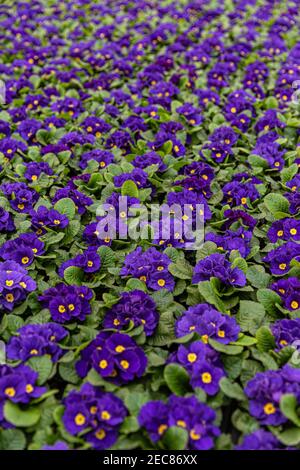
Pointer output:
99, 412
216, 265
136, 307
115, 356
36, 340
208, 323
67, 303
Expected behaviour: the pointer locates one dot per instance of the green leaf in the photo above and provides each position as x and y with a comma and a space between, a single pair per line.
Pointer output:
43, 366
229, 349
250, 316
290, 437
107, 256
12, 439
66, 206
175, 438
129, 188
288, 173
276, 203
240, 263
21, 418
129, 425
288, 406
243, 422
208, 293
265, 339
257, 276
177, 379
73, 275
134, 283
68, 373
268, 298
181, 269
232, 390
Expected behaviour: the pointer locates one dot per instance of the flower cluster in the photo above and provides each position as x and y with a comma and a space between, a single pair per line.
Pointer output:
67, 303
15, 284
36, 340
187, 413
115, 356
202, 363
208, 323
18, 385
265, 390
150, 267
95, 413
216, 265
136, 307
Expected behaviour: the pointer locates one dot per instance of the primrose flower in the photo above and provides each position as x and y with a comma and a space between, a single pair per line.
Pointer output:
208, 323
216, 265
265, 390
115, 356
36, 340
99, 413
15, 284
136, 307
67, 303
185, 412
150, 267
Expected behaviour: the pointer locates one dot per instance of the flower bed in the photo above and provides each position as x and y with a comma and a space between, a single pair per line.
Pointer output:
119, 342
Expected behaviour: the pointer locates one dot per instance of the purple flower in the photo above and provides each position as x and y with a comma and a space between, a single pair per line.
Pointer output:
260, 440
265, 391
44, 217
150, 267
115, 356
89, 261
36, 340
18, 384
208, 323
6, 221
98, 412
203, 365
15, 284
281, 257
136, 307
185, 412
216, 265
67, 303
22, 249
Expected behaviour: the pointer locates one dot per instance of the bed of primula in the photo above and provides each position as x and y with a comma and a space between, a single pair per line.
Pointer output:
124, 344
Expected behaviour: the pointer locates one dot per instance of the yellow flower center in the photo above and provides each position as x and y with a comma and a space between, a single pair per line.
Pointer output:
282, 266
100, 434
293, 231
25, 260
79, 419
103, 364
181, 423
29, 388
90, 264
9, 297
119, 349
61, 309
269, 409
194, 435
162, 428
294, 304
34, 352
124, 364
93, 410
116, 322
221, 333
279, 233
161, 282
192, 357
10, 392
206, 377
9, 283
105, 415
